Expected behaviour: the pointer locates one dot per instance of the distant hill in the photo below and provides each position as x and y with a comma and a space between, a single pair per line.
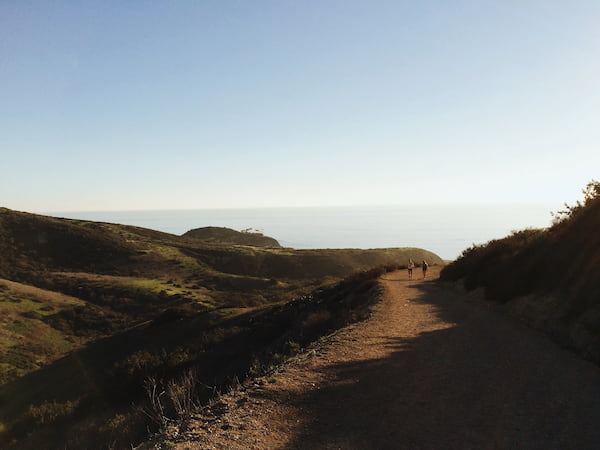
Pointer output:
549, 278
227, 235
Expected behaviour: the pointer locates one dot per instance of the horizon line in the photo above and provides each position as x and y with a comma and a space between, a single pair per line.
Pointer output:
336, 206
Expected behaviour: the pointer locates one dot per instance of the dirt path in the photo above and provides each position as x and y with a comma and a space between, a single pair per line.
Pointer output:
432, 369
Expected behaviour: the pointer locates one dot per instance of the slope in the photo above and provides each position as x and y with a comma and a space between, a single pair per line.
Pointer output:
433, 368
549, 278
110, 306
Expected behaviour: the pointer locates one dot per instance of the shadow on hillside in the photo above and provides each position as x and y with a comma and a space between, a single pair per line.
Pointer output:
89, 373
483, 382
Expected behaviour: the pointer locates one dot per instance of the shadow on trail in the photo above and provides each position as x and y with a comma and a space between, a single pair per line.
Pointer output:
482, 383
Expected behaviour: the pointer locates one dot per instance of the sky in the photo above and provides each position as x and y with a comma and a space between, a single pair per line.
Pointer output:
111, 105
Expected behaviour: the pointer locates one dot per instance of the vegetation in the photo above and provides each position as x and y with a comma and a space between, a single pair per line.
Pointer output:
551, 277
28, 341
155, 374
227, 235
96, 315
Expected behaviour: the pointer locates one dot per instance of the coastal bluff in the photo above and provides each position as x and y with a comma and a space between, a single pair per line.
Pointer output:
227, 235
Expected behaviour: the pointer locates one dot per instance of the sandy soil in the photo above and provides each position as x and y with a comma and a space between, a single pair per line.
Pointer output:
433, 368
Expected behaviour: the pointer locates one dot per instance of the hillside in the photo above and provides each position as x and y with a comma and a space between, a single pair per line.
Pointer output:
549, 278
432, 368
229, 236
30, 243
113, 306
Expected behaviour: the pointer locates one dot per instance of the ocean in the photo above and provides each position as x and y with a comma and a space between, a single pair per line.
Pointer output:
444, 230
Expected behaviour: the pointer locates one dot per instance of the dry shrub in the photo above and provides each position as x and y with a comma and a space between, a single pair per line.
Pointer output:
181, 392
155, 410
316, 319
49, 412
173, 400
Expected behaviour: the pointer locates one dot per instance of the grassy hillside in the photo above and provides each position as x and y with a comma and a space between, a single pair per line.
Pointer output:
30, 242
227, 235
187, 354
107, 307
27, 340
35, 246
549, 277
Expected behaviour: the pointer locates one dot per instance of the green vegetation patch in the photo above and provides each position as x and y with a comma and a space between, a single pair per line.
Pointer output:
176, 256
30, 344
27, 342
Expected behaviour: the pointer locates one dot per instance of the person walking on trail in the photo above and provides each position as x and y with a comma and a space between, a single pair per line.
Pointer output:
411, 266
425, 266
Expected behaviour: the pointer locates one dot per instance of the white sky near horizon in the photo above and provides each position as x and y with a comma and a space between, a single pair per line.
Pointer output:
108, 105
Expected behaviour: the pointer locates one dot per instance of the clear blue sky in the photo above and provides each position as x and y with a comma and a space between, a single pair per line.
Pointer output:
109, 105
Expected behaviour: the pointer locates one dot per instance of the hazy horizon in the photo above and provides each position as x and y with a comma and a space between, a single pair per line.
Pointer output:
446, 230
335, 206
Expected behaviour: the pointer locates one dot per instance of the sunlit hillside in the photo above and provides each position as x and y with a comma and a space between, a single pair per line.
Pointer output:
111, 306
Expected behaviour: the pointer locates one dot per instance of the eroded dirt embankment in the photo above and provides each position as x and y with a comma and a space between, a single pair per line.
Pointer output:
432, 369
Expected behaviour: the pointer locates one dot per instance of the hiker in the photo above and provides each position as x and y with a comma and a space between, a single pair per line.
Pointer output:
411, 266
425, 266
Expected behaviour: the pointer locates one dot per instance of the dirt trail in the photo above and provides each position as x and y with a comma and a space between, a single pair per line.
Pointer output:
432, 369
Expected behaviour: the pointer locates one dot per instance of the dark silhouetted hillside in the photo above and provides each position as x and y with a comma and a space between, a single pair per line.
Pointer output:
550, 277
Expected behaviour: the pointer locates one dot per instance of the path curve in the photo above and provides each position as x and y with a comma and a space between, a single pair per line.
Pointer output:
433, 368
